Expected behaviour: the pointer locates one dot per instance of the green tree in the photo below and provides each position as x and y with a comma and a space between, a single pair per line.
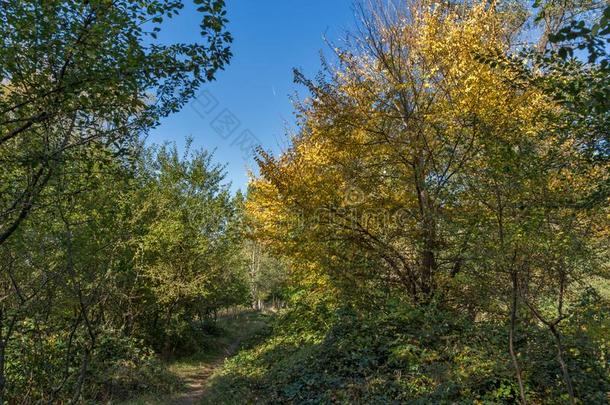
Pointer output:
188, 254
74, 73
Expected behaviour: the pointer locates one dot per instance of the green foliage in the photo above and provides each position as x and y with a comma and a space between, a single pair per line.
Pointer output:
97, 284
120, 366
268, 275
81, 83
123, 367
188, 250
582, 34
437, 232
76, 73
402, 354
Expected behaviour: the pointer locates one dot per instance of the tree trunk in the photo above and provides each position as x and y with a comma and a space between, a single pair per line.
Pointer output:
2, 353
511, 338
81, 378
562, 364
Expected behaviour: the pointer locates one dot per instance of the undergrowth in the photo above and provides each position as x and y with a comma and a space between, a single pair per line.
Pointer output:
401, 354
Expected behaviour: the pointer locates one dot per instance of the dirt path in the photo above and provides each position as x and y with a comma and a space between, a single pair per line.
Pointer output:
196, 379
196, 373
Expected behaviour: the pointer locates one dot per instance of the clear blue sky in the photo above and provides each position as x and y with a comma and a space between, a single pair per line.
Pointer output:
251, 96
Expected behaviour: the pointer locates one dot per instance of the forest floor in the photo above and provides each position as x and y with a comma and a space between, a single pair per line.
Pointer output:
195, 371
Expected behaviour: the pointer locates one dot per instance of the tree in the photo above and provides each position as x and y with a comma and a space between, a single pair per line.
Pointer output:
77, 73
375, 172
187, 252
422, 169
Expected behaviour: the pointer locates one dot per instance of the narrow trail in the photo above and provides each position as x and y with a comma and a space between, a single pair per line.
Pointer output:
196, 374
196, 380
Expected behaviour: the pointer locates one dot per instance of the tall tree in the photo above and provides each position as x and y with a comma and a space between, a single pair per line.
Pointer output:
74, 73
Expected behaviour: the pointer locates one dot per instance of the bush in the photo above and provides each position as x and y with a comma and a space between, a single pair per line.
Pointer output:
124, 367
399, 354
40, 368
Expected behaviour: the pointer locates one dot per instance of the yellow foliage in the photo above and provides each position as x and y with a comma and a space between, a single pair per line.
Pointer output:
414, 130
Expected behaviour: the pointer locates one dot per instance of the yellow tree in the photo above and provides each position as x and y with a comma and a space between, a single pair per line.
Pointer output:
420, 166
374, 173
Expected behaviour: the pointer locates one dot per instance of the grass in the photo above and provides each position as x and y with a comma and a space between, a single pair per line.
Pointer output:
239, 331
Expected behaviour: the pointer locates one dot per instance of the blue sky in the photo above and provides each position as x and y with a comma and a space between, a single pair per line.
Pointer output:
250, 100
